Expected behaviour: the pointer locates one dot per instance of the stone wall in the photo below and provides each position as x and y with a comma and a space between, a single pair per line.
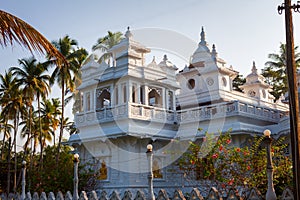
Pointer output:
195, 194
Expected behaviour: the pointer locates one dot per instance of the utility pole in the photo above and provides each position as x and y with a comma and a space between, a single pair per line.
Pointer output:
293, 91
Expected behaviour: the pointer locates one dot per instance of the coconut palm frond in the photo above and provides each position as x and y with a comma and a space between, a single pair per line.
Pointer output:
14, 30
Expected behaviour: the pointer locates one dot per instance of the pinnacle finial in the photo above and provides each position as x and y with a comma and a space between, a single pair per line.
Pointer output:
153, 60
214, 52
202, 34
128, 33
254, 69
165, 58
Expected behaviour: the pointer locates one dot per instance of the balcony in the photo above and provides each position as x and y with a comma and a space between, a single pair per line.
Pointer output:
161, 115
228, 109
126, 111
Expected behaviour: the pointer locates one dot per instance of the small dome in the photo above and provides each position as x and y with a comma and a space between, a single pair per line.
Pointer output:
166, 63
202, 52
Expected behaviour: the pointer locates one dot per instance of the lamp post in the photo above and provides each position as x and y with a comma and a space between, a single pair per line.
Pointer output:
293, 91
150, 175
23, 179
270, 195
75, 191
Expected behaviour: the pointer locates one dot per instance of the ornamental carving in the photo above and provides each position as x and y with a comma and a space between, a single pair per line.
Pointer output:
210, 81
100, 90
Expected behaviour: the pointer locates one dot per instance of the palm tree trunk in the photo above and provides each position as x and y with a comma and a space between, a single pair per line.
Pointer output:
29, 132
41, 132
62, 119
30, 142
15, 150
3, 145
8, 163
3, 140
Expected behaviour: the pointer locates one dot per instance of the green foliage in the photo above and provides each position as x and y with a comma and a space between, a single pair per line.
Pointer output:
275, 71
53, 177
59, 177
237, 82
218, 160
105, 43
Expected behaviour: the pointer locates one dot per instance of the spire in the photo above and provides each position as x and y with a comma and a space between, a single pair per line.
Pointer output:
214, 52
165, 58
202, 35
153, 60
254, 69
128, 33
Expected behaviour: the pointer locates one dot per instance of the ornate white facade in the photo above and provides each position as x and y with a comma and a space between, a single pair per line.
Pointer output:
131, 103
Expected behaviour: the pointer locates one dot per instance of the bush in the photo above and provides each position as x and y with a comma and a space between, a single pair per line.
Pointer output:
231, 166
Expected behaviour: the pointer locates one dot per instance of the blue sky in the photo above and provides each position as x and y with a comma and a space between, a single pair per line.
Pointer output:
243, 31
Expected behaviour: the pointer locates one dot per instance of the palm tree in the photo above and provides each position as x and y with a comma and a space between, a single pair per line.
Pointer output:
275, 71
7, 82
5, 129
27, 131
14, 109
66, 75
31, 76
105, 43
51, 110
15, 30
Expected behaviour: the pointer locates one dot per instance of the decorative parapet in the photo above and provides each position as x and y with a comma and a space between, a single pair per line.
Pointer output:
157, 114
232, 194
229, 109
129, 110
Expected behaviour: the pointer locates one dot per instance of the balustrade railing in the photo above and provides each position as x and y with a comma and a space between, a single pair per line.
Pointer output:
229, 109
151, 113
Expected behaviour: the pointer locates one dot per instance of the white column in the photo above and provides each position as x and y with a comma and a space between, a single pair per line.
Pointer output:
112, 91
174, 101
93, 98
129, 96
163, 98
119, 94
167, 100
114, 60
138, 93
146, 95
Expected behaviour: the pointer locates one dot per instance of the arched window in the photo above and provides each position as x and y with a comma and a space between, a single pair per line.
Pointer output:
134, 93
88, 101
156, 170
124, 90
103, 98
103, 171
142, 90
155, 98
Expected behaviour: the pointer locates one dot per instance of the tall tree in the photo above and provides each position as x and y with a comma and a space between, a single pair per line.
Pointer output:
14, 109
5, 129
7, 88
7, 82
105, 43
275, 71
34, 83
51, 110
64, 74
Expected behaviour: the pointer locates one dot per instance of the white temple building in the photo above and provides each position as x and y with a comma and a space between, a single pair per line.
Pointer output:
132, 103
